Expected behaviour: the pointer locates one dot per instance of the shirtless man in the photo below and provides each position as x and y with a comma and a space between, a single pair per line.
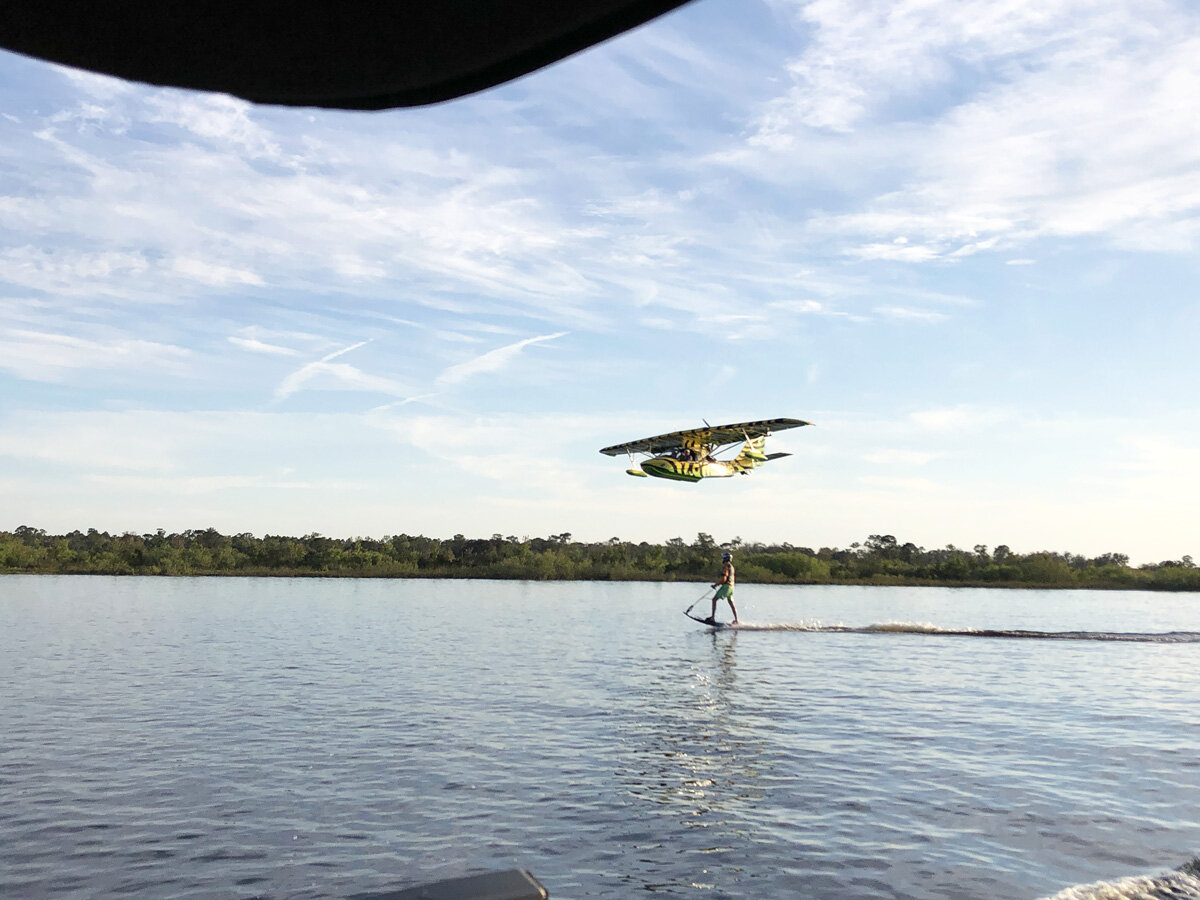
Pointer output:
724, 587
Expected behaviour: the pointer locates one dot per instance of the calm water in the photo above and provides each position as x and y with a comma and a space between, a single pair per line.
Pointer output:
304, 738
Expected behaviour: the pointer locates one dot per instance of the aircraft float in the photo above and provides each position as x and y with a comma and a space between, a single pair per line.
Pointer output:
691, 455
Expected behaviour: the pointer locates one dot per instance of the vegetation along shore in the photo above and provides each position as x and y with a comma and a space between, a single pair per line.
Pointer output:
880, 559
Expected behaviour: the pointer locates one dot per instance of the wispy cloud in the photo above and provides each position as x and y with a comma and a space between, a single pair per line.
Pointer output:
213, 274
911, 315
337, 376
962, 417
256, 346
899, 251
802, 307
492, 361
867, 60
67, 271
1070, 122
42, 356
226, 121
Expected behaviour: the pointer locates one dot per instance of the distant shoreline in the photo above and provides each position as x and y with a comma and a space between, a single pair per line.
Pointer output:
879, 561
958, 585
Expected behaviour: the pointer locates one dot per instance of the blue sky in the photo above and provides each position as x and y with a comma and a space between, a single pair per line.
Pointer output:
960, 237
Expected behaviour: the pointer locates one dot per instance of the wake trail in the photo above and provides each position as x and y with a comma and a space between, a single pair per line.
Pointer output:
1180, 884
909, 628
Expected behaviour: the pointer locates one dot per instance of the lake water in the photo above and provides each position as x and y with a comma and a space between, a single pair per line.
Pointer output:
312, 738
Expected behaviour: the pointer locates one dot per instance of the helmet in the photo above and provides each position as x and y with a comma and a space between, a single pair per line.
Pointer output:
726, 556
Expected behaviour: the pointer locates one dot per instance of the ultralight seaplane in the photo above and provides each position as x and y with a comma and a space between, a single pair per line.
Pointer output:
691, 455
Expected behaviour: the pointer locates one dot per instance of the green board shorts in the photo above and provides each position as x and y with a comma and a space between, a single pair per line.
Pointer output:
724, 592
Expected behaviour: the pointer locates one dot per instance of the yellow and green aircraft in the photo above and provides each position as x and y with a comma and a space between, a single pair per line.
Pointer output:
691, 455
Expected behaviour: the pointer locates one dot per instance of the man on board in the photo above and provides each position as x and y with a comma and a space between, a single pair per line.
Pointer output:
724, 587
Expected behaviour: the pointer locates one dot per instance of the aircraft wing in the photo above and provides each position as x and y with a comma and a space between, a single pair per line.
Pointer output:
719, 435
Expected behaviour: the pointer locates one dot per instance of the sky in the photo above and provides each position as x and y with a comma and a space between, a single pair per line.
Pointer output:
959, 236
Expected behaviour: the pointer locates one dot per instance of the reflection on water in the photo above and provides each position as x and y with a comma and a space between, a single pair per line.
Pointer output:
694, 761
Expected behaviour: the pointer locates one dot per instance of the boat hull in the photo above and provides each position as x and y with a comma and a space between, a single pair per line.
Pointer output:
679, 470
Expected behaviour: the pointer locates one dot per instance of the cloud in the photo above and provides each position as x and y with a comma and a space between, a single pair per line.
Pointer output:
959, 418
866, 60
223, 120
807, 308
911, 315
899, 252
66, 271
216, 193
457, 337
213, 274
256, 346
801, 307
337, 376
649, 205
492, 361
1005, 123
42, 356
104, 87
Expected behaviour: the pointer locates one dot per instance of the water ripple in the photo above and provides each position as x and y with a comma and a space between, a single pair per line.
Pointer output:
301, 738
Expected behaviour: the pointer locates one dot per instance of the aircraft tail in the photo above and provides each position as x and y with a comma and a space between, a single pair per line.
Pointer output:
752, 453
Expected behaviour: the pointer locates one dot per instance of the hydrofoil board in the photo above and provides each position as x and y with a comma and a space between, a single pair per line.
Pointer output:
710, 622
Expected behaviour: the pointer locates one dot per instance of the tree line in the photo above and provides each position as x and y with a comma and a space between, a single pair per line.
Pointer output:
880, 559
